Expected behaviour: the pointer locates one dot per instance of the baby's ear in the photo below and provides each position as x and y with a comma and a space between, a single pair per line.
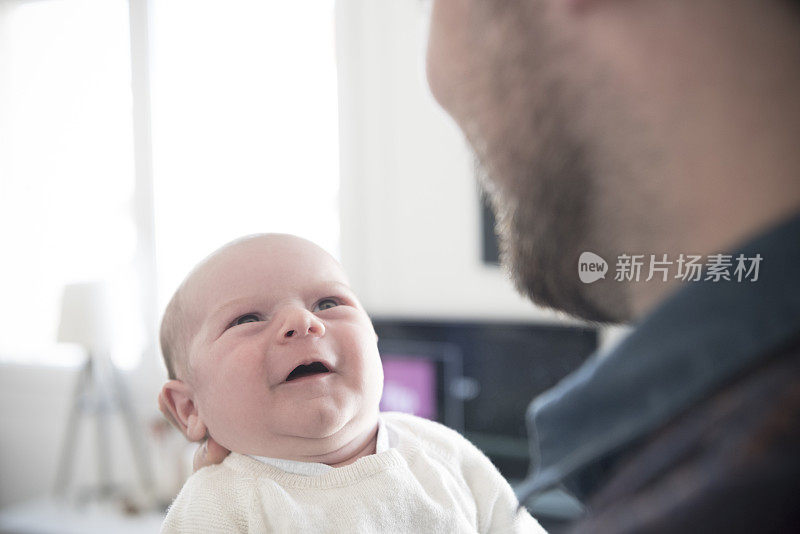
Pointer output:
179, 402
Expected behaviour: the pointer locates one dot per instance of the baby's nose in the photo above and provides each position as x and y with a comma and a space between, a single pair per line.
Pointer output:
299, 323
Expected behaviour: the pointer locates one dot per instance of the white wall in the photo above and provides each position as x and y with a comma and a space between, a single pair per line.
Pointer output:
35, 402
410, 206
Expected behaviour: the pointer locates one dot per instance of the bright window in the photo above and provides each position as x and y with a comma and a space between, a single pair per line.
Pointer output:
245, 140
66, 168
244, 126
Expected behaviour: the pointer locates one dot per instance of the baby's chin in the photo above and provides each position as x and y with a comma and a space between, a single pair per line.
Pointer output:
311, 433
334, 424
321, 422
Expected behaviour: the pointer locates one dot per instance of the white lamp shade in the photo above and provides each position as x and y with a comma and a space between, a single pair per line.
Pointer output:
85, 316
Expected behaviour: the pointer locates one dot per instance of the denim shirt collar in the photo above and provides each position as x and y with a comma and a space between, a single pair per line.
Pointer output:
692, 344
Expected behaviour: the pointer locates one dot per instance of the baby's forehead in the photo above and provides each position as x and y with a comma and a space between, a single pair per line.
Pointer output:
275, 255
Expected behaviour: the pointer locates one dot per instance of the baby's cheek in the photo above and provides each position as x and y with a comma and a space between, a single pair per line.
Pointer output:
232, 406
229, 388
372, 375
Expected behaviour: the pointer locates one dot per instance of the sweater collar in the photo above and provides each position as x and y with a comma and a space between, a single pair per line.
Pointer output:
383, 443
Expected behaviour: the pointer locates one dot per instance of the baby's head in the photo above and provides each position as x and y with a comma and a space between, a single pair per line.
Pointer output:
270, 352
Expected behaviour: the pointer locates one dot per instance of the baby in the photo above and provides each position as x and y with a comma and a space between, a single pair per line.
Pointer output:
270, 353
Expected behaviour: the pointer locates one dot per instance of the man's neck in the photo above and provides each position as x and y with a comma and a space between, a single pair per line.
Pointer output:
712, 235
712, 158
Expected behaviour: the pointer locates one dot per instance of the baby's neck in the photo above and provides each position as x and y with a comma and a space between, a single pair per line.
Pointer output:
369, 447
360, 446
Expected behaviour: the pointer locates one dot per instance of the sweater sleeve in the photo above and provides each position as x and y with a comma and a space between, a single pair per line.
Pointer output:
503, 513
497, 505
207, 503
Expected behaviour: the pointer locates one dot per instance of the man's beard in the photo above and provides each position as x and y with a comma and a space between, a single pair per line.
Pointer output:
522, 111
543, 202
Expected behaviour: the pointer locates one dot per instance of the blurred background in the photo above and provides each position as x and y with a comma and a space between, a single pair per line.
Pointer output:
136, 136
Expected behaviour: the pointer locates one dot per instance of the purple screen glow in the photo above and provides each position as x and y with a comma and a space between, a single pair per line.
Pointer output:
409, 385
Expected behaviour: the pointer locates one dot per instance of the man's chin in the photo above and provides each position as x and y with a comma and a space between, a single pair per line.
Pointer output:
548, 277
583, 308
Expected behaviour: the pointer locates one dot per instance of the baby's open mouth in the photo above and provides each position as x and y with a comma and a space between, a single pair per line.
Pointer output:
307, 370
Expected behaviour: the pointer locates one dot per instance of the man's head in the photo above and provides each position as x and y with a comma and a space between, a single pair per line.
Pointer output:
270, 352
621, 127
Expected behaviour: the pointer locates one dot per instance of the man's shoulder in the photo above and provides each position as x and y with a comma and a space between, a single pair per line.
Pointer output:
733, 456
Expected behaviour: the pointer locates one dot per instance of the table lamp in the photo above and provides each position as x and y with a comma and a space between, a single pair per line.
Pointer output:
100, 390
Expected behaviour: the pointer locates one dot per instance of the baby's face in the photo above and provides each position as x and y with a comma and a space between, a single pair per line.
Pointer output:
283, 360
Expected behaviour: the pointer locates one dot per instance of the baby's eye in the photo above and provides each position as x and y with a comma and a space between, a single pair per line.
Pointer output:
324, 304
247, 318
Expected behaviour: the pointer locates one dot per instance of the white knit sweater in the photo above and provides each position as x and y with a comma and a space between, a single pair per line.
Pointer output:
434, 480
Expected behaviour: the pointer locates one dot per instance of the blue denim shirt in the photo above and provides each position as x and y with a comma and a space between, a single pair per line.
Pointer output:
689, 347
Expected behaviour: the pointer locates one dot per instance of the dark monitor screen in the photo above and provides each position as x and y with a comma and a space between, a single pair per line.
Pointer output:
418, 378
486, 374
409, 386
